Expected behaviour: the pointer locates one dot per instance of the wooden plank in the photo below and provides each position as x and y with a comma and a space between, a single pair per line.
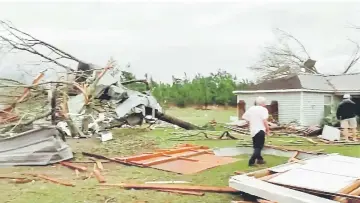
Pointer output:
159, 154
268, 177
175, 187
260, 173
348, 189
54, 180
99, 177
73, 166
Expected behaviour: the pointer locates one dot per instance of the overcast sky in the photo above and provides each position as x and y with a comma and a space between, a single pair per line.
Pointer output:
165, 39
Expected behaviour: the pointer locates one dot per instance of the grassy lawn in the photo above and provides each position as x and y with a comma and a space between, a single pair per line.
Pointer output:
135, 141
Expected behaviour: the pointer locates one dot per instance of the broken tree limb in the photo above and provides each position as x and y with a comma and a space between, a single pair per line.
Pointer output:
104, 157
53, 106
7, 127
176, 121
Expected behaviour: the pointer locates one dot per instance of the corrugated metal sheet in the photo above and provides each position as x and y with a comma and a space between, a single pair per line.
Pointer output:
40, 146
289, 104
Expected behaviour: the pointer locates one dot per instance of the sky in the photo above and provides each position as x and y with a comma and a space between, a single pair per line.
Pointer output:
165, 38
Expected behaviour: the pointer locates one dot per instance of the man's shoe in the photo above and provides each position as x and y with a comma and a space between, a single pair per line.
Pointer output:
261, 162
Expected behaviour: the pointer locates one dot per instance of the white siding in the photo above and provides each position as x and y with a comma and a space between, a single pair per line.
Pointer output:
289, 104
313, 107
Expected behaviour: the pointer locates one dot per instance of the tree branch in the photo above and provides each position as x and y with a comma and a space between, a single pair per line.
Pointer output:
354, 57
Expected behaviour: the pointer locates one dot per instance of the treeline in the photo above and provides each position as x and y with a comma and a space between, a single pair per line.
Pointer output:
213, 89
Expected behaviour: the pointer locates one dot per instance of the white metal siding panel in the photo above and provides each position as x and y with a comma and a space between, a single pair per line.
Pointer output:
289, 104
313, 108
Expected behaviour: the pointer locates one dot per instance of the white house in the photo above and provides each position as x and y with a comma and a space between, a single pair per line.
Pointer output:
303, 98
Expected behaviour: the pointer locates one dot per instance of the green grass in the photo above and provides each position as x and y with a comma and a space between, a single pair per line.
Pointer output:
135, 141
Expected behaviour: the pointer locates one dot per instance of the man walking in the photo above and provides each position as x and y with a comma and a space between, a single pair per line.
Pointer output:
346, 113
257, 117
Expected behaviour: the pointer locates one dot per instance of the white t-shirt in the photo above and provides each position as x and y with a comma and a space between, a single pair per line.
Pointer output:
256, 116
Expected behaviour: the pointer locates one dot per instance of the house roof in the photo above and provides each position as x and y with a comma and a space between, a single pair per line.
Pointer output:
329, 83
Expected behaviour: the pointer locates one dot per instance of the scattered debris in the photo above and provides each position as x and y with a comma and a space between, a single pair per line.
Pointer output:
189, 136
241, 126
268, 149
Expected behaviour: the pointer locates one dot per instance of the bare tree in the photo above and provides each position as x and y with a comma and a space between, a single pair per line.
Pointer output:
15, 39
354, 58
287, 56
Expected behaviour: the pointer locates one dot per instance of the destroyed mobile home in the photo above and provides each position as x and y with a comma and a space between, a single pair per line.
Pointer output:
118, 106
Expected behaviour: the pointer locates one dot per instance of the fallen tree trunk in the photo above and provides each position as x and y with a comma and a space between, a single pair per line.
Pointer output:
176, 121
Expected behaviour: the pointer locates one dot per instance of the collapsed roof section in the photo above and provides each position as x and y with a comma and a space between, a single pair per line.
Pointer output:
128, 102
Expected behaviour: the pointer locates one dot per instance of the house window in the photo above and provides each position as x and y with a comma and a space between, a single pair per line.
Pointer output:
327, 105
